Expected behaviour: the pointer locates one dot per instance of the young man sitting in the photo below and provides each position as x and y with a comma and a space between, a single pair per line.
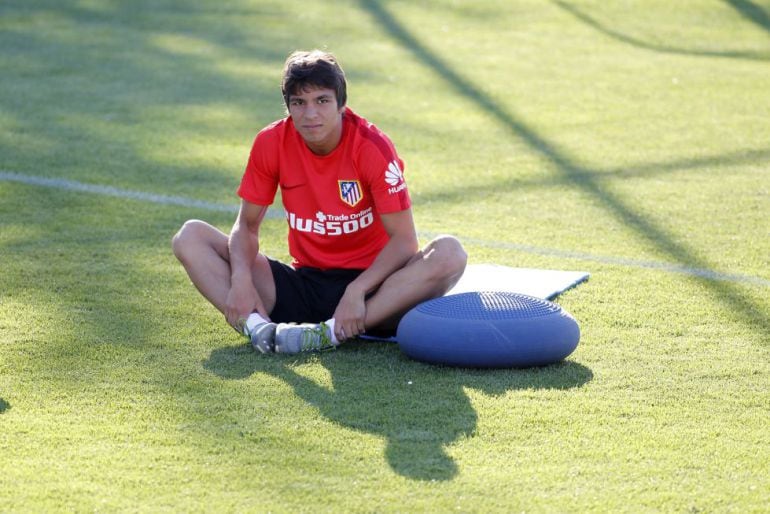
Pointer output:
357, 265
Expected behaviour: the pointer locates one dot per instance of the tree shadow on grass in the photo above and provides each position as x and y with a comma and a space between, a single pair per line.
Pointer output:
4, 405
418, 409
104, 84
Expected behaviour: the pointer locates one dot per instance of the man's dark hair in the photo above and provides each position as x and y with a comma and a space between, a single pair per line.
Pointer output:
313, 69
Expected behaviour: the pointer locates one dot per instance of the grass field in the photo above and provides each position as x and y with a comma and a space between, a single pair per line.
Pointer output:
627, 139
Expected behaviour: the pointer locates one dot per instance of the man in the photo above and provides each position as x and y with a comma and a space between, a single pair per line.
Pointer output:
357, 265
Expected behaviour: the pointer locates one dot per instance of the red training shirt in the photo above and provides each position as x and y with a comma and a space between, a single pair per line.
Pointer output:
333, 202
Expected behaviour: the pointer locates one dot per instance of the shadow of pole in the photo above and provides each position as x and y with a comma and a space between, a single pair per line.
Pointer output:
751, 12
747, 9
580, 177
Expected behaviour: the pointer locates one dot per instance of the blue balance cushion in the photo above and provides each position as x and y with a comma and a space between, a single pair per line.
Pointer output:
488, 330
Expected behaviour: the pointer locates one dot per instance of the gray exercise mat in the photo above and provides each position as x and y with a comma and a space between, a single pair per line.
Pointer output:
541, 283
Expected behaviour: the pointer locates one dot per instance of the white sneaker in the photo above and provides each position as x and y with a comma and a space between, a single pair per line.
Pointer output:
306, 337
263, 337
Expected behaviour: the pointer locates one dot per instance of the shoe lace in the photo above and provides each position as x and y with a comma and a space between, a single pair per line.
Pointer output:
317, 338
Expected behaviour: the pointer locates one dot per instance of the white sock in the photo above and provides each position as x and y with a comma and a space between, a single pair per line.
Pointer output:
252, 321
330, 323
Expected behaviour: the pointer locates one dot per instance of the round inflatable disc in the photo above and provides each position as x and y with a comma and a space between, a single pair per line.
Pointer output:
488, 330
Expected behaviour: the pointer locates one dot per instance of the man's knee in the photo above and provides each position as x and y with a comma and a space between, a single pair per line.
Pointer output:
448, 257
187, 236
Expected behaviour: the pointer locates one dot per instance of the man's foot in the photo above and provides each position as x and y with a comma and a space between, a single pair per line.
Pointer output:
307, 337
263, 337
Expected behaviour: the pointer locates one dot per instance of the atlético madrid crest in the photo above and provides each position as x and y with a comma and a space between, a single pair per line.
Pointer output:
350, 192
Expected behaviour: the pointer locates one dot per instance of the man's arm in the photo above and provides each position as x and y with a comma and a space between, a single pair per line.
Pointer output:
243, 245
350, 315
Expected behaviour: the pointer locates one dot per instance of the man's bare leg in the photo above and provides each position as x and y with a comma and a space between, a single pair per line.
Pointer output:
202, 250
429, 274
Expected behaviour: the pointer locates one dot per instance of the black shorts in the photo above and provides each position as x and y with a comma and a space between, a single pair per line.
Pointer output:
307, 295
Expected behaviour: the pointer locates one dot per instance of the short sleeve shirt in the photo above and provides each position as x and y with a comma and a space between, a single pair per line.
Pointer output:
332, 202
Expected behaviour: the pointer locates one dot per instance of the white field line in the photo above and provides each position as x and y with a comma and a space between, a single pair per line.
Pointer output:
621, 261
71, 185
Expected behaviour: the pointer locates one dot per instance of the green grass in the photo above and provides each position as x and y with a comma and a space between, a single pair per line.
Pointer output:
627, 140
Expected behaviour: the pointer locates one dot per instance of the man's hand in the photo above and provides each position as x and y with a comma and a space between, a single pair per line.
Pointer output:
350, 314
243, 246
242, 300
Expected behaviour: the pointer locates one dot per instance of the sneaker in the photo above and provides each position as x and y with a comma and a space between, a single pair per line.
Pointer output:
263, 337
307, 337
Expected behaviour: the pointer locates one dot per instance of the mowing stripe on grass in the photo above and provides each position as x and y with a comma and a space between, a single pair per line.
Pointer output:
71, 185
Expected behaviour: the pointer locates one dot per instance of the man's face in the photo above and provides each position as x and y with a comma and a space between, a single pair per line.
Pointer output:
317, 118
